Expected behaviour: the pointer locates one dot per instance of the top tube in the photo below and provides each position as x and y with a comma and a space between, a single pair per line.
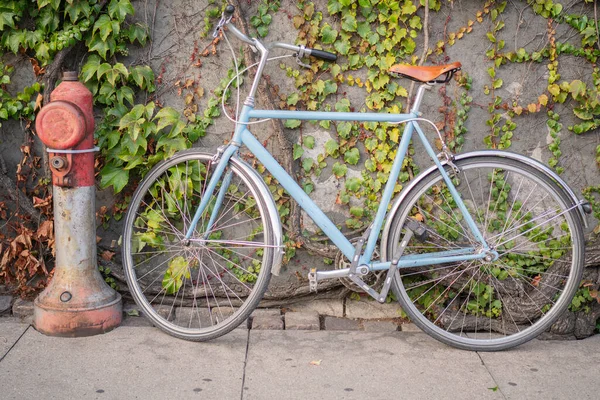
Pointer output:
332, 116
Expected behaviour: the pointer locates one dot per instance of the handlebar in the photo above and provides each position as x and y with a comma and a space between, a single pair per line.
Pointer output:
301, 50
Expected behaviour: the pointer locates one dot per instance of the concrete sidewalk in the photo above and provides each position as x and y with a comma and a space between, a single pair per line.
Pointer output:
142, 362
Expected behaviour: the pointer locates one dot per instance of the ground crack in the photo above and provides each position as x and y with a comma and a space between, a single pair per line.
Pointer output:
15, 343
245, 364
490, 374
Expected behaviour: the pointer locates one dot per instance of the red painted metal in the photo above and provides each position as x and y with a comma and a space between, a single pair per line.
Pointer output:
67, 122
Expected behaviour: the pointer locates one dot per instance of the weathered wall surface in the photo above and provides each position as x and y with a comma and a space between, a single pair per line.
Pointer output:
176, 27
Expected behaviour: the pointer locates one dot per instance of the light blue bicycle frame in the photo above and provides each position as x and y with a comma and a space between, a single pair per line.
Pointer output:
243, 136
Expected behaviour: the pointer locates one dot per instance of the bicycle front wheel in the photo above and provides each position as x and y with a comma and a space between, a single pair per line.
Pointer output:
490, 305
201, 288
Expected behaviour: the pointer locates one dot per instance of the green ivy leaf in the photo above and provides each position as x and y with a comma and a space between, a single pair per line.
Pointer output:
102, 46
105, 26
143, 76
307, 164
298, 151
577, 88
342, 46
171, 144
292, 99
308, 142
353, 184
343, 105
90, 68
125, 93
334, 6
292, 123
14, 40
48, 20
349, 23
363, 29
266, 19
76, 9
328, 34
583, 113
137, 32
344, 128
339, 170
174, 275
331, 147
408, 8
165, 117
308, 187
352, 156
357, 212
329, 88
119, 9
42, 52
114, 176
7, 19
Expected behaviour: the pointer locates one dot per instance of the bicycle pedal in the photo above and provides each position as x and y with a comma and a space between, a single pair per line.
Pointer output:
312, 280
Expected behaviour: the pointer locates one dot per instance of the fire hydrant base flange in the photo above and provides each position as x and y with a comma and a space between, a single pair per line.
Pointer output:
77, 322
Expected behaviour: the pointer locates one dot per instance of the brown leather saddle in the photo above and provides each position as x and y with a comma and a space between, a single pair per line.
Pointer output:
429, 74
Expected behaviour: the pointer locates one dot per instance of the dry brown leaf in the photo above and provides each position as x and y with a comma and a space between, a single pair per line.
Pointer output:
107, 255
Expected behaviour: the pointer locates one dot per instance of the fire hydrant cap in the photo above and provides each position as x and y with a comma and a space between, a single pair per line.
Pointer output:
61, 125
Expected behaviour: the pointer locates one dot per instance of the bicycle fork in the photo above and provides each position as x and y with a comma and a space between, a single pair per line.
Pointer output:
221, 159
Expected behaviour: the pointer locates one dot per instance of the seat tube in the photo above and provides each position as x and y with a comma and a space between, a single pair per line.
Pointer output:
419, 97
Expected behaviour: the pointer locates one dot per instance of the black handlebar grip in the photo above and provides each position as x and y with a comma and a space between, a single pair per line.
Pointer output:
323, 55
229, 10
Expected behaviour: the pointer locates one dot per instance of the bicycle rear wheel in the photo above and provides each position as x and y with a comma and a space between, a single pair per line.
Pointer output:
523, 215
202, 288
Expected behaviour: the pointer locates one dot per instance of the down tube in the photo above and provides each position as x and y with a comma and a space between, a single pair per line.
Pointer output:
298, 194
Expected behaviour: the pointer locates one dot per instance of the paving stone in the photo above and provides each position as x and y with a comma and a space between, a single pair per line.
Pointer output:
166, 312
371, 309
308, 321
195, 317
380, 326
129, 320
267, 319
341, 324
410, 327
22, 308
334, 308
5, 304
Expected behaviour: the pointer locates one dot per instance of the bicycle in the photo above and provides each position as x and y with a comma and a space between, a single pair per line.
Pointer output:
483, 250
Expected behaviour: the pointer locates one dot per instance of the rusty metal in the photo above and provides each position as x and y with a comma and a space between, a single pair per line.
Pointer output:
77, 302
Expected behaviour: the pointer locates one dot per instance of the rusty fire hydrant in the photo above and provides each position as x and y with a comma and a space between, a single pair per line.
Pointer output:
77, 302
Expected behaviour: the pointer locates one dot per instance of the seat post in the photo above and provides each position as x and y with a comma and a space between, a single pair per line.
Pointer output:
419, 97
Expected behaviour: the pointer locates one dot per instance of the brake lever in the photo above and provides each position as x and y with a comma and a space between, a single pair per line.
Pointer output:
299, 56
222, 22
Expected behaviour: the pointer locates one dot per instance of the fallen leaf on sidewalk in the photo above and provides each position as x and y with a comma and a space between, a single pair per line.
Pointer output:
317, 362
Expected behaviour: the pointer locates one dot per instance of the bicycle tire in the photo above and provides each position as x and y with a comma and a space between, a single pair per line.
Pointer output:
226, 270
525, 216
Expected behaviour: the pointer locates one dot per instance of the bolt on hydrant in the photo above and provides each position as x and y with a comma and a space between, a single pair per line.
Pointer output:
77, 302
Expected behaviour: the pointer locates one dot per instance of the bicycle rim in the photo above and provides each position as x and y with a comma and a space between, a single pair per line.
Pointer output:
527, 219
204, 287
